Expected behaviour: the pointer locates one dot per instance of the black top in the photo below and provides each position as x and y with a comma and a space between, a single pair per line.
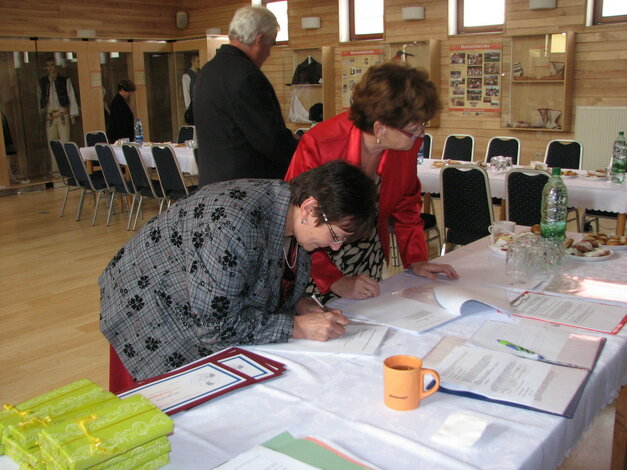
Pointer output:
121, 121
240, 129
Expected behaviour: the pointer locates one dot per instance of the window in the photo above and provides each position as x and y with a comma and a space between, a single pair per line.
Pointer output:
610, 11
480, 16
279, 8
365, 19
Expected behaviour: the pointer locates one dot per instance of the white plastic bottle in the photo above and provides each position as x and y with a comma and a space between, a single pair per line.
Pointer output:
139, 132
619, 159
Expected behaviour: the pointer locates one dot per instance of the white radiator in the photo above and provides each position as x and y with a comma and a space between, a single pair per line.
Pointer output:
596, 128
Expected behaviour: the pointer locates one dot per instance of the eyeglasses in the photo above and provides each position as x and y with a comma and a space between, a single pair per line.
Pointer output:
419, 132
335, 238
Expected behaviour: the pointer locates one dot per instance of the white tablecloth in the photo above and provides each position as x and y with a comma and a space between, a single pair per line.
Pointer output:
184, 156
340, 398
583, 192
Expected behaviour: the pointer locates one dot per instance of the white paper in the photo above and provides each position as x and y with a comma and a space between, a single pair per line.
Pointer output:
247, 366
262, 458
401, 312
464, 299
461, 429
359, 338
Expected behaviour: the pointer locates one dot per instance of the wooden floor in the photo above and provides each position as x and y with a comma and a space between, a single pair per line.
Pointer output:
49, 304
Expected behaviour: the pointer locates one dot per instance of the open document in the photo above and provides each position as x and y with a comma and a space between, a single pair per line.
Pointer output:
558, 309
505, 378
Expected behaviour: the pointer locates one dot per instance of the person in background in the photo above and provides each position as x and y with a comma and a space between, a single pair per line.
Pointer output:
121, 121
228, 266
239, 124
188, 82
57, 103
381, 133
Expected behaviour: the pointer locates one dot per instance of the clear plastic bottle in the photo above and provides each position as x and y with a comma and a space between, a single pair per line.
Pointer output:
421, 154
139, 132
554, 208
619, 159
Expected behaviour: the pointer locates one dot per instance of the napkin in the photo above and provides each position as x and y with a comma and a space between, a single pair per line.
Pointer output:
461, 429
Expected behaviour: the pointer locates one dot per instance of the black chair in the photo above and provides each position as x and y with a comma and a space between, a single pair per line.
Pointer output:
95, 137
56, 147
114, 178
466, 204
459, 147
564, 154
504, 146
94, 183
523, 192
591, 216
186, 133
432, 232
172, 183
144, 185
426, 146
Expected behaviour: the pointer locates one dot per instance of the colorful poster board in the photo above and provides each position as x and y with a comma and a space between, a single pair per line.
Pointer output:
354, 65
475, 78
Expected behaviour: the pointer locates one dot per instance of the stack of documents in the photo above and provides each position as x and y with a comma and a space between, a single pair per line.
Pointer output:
207, 378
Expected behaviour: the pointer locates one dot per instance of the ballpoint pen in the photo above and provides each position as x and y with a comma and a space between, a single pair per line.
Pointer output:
323, 307
526, 352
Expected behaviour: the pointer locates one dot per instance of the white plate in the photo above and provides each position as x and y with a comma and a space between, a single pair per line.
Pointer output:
594, 178
498, 250
589, 258
614, 247
569, 176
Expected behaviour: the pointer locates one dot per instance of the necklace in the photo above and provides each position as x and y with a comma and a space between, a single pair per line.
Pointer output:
287, 247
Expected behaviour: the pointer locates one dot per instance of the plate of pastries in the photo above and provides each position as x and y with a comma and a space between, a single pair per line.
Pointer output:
594, 246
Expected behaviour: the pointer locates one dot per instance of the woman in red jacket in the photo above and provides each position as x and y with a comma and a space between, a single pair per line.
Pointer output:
381, 133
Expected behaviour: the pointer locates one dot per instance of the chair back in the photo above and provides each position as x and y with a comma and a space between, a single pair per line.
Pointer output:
523, 191
426, 146
466, 203
95, 137
186, 133
78, 165
459, 147
564, 154
504, 146
139, 173
111, 170
172, 182
65, 170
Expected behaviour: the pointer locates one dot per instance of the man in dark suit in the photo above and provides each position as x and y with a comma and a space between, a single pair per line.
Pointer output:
240, 128
121, 121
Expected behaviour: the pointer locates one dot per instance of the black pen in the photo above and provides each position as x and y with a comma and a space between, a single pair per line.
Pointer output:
315, 299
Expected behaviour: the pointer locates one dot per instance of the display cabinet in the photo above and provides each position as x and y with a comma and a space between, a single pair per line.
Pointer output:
423, 55
537, 93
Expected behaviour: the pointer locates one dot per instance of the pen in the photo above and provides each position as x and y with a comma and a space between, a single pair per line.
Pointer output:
315, 299
520, 349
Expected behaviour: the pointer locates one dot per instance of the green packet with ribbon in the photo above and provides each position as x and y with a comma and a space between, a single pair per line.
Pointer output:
113, 429
45, 407
133, 458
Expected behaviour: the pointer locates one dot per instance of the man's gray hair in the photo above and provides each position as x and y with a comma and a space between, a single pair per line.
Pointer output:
248, 22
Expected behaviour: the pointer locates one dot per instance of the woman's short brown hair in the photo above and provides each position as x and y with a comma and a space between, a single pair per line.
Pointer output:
394, 94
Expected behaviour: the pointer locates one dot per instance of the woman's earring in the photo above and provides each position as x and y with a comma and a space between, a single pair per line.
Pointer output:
378, 141
303, 221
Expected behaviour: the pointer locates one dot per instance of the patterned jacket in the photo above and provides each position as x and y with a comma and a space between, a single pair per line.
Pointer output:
202, 276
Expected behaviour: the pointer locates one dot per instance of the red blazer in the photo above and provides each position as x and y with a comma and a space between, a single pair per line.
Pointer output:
399, 197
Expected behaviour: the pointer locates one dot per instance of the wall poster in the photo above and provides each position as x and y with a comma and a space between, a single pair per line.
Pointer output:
354, 65
475, 78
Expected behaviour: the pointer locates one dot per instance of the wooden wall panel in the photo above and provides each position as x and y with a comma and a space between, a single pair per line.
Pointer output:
203, 16
326, 35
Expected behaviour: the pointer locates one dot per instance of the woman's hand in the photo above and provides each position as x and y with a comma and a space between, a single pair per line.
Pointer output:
319, 326
355, 287
430, 270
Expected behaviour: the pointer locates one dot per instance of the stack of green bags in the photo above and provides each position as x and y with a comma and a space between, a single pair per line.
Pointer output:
81, 426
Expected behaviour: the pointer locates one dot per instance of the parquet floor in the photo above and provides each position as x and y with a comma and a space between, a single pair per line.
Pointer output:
49, 304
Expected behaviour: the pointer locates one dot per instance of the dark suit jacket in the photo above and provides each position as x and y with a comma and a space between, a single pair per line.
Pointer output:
240, 129
121, 121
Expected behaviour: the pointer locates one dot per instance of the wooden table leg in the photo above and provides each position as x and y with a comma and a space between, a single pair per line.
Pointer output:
426, 203
619, 447
620, 225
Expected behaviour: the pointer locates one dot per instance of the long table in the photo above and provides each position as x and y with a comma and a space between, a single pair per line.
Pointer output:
184, 156
339, 397
584, 193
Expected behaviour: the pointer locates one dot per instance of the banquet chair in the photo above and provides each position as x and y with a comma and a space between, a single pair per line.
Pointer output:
95, 137
426, 146
432, 232
186, 133
523, 193
565, 153
65, 170
591, 216
145, 186
94, 183
114, 178
504, 146
466, 204
172, 183
459, 147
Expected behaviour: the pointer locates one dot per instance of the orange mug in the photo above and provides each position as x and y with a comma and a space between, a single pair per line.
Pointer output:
403, 382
